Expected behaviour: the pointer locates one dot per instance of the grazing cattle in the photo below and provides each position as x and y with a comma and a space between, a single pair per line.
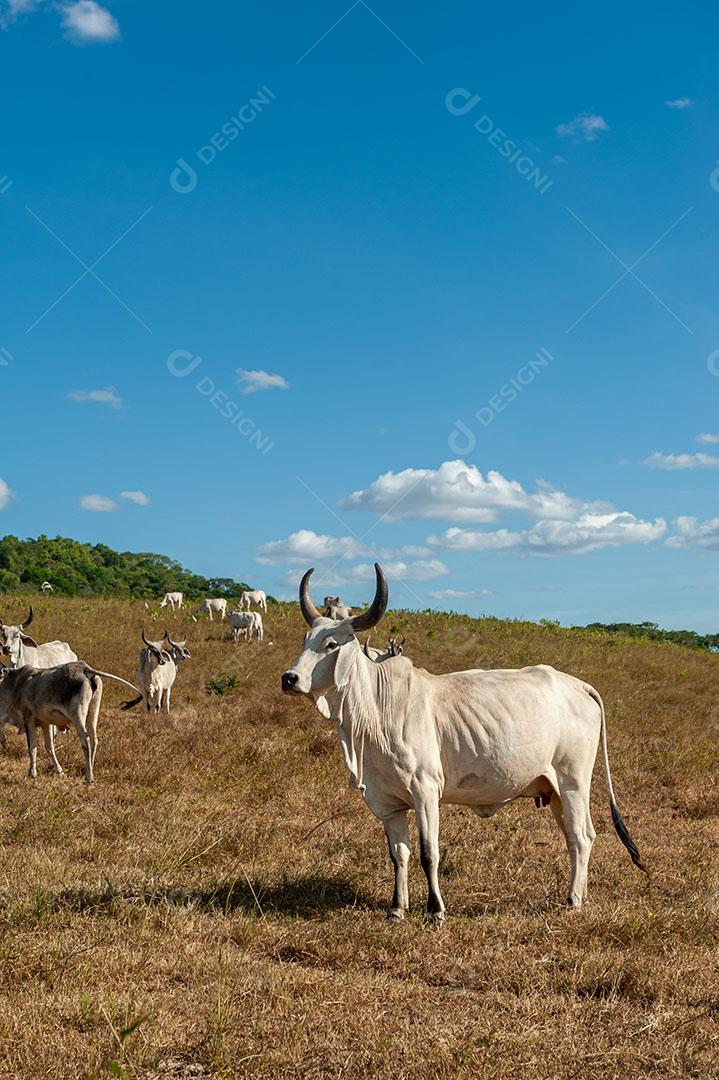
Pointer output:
392, 648
25, 650
245, 624
335, 608
173, 600
46, 587
157, 671
208, 606
253, 596
412, 740
32, 698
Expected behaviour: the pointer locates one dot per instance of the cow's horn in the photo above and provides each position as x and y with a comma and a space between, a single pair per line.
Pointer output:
145, 639
366, 647
29, 618
369, 618
307, 608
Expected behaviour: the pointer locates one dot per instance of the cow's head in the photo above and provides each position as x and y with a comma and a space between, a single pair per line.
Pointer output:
156, 650
324, 661
12, 638
178, 652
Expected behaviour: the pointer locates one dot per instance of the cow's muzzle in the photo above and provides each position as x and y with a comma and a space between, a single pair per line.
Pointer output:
289, 682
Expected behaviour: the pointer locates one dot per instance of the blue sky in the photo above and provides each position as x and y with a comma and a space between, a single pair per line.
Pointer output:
456, 270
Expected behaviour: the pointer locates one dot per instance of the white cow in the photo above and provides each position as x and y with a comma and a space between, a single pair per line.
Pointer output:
246, 623
394, 647
157, 671
412, 740
335, 608
173, 600
32, 698
46, 587
253, 596
23, 649
219, 606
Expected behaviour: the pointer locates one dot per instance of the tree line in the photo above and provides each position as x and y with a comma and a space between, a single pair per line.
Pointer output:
688, 638
75, 569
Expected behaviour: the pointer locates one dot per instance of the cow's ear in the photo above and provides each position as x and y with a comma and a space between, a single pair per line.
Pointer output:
29, 641
345, 662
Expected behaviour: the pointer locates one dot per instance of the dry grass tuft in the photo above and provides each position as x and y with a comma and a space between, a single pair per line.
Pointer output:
214, 906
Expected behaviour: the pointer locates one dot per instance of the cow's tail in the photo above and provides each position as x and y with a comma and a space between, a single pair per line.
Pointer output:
622, 830
116, 678
125, 705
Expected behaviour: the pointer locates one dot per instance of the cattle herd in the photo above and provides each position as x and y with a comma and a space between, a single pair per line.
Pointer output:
410, 740
45, 687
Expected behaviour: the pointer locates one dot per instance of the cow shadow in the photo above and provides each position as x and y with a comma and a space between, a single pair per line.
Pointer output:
308, 896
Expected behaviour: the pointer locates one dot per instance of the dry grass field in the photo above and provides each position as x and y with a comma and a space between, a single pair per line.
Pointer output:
214, 906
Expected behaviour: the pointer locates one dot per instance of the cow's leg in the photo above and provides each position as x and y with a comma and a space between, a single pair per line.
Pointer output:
396, 828
82, 736
427, 813
31, 733
579, 831
167, 698
555, 805
48, 735
93, 716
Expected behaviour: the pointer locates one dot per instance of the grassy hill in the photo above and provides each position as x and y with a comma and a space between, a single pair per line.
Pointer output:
219, 894
76, 569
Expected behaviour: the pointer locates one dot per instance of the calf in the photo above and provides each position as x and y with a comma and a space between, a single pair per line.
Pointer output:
246, 623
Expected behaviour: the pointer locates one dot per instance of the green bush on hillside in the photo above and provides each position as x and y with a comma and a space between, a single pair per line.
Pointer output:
75, 569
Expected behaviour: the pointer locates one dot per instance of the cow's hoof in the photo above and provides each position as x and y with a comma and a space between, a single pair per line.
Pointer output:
395, 915
436, 919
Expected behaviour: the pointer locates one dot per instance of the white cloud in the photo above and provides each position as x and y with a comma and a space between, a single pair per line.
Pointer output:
98, 503
5, 494
705, 437
398, 570
587, 533
457, 594
137, 497
10, 10
670, 462
583, 128
679, 103
459, 492
689, 530
253, 381
108, 396
86, 22
306, 546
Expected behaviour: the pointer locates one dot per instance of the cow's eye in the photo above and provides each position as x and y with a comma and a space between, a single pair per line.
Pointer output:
331, 645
